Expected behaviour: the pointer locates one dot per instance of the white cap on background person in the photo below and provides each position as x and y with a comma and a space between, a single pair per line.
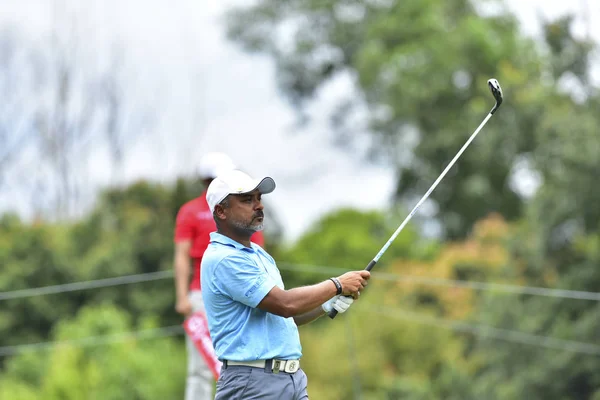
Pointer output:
213, 164
235, 182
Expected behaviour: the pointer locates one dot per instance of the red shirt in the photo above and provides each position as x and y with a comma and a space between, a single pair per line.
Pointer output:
195, 222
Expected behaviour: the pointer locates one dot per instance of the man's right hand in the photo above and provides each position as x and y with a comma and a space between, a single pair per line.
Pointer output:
183, 306
353, 282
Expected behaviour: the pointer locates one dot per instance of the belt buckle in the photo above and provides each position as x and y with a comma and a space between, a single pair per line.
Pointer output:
291, 366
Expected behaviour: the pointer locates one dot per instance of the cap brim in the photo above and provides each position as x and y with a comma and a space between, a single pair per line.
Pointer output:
266, 185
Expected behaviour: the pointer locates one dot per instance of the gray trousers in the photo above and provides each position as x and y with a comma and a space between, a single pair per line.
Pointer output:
200, 381
248, 383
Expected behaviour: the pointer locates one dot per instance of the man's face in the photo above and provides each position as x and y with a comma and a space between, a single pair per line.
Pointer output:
245, 212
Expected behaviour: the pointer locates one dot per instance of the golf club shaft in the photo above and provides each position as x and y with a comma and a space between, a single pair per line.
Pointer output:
371, 264
438, 180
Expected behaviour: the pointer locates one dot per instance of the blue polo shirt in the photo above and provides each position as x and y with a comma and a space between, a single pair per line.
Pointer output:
235, 278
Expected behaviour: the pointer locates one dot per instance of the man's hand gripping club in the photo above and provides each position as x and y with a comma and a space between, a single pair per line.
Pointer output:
351, 283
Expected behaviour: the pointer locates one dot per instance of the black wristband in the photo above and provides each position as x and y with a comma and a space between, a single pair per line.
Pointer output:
338, 285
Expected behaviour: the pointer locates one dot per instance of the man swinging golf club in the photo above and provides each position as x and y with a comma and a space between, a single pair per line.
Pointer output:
253, 320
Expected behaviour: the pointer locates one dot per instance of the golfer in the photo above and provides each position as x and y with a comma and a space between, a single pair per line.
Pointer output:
253, 320
193, 226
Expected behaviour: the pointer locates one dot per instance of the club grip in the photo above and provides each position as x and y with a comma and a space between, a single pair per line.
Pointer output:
369, 267
334, 312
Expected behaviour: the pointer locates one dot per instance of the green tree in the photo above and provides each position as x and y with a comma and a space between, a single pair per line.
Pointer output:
127, 368
32, 256
419, 68
507, 370
129, 232
557, 245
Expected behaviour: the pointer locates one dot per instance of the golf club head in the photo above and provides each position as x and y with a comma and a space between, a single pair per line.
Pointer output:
497, 92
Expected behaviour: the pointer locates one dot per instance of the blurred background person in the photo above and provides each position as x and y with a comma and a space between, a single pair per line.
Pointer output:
193, 225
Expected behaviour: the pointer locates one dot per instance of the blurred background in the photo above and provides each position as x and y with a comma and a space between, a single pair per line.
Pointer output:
354, 108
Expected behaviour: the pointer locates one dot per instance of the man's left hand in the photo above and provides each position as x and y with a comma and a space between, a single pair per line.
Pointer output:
339, 303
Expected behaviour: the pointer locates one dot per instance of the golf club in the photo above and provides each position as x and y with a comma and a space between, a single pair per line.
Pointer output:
497, 93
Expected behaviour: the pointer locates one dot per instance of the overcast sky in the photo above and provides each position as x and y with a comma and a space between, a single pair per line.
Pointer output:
211, 96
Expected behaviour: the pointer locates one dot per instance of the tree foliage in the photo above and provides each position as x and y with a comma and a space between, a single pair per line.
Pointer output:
142, 369
399, 341
418, 71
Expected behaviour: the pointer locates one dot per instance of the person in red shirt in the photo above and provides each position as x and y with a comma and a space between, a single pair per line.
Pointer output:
193, 226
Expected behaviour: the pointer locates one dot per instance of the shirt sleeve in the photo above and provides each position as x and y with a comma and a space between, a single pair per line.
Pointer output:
184, 229
243, 280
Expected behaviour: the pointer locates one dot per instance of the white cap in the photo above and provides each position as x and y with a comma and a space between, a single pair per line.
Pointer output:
235, 182
213, 164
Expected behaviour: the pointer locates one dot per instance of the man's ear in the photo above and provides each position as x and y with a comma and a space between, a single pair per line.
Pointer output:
220, 212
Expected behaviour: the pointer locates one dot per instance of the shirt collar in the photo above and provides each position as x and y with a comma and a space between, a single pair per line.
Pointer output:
222, 239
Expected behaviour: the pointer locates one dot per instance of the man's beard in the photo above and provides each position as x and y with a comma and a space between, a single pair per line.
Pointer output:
249, 226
